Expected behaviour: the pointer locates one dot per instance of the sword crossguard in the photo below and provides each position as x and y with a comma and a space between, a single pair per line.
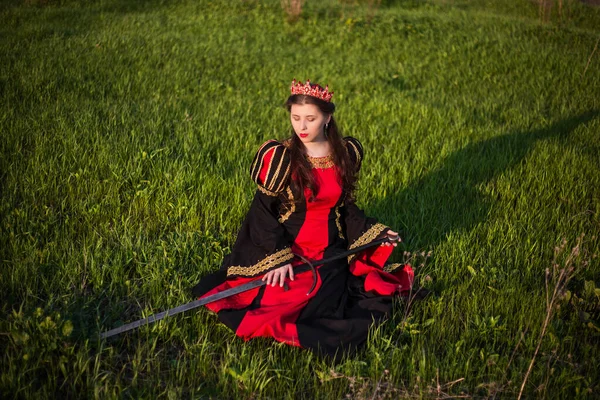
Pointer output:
394, 238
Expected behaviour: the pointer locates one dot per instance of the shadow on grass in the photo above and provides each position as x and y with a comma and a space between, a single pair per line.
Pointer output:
67, 18
448, 200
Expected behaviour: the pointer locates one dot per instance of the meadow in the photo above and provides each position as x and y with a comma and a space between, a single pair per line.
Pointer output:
127, 131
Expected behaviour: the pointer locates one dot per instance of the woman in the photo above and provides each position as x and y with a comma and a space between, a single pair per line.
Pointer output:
304, 208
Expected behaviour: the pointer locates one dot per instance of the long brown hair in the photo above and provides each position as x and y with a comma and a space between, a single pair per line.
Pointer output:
301, 167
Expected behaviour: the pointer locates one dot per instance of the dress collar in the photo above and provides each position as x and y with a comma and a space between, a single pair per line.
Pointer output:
321, 162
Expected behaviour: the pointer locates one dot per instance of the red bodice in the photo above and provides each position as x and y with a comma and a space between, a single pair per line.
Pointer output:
313, 237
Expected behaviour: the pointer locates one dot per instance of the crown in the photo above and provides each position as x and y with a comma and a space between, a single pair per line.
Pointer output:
311, 89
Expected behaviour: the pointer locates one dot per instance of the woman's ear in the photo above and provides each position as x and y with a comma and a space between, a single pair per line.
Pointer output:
328, 119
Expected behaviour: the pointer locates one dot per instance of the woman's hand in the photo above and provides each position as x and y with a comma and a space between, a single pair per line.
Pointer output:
278, 275
394, 238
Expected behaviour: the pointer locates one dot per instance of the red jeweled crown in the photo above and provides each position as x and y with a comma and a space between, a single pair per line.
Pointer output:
313, 90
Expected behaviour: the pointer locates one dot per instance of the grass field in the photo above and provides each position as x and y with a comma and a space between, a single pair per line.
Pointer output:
128, 128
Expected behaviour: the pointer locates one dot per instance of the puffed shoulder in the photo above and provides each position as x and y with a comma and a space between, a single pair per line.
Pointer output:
270, 169
355, 150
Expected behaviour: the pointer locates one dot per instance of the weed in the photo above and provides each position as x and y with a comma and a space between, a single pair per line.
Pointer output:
293, 9
565, 266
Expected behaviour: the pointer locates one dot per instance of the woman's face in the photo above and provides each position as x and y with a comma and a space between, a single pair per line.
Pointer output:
309, 122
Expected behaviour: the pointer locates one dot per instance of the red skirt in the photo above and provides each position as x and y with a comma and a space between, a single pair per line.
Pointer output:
346, 301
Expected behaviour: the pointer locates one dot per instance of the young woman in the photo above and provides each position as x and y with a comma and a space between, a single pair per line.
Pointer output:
304, 209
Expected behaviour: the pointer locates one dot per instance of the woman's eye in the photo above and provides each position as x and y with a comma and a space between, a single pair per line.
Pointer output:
311, 119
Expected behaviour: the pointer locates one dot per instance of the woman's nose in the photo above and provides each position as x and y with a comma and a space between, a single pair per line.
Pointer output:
303, 124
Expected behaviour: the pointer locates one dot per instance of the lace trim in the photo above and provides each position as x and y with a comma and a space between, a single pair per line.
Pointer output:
267, 192
367, 237
337, 221
292, 208
265, 264
393, 267
321, 162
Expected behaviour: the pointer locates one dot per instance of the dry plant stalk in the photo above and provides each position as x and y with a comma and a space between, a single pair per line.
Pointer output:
560, 8
293, 9
361, 388
556, 282
544, 9
372, 6
591, 55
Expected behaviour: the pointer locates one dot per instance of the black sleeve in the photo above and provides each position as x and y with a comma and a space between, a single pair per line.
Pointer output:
355, 151
360, 229
263, 243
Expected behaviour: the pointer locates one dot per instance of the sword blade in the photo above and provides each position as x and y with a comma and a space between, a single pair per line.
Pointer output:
184, 307
230, 292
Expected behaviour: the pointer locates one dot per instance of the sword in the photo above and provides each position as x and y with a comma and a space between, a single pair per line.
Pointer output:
306, 266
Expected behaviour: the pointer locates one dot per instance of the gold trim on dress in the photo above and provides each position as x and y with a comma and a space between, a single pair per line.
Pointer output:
262, 266
276, 174
274, 180
393, 267
268, 169
258, 160
266, 191
287, 171
321, 162
367, 237
292, 208
358, 158
337, 221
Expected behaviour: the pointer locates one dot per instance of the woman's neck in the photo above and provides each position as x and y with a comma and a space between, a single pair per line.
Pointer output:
317, 149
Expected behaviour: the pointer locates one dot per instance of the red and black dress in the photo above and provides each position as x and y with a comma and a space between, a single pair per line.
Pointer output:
350, 294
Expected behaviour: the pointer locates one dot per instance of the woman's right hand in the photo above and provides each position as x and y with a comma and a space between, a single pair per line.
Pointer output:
278, 275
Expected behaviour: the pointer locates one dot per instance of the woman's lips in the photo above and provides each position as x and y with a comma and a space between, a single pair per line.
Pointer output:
303, 135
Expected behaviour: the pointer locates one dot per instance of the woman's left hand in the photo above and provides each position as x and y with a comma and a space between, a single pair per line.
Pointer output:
394, 238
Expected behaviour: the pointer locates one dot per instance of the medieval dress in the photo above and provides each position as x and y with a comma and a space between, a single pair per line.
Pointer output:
350, 294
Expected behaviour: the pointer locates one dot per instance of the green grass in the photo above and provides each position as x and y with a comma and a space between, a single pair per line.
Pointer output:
127, 132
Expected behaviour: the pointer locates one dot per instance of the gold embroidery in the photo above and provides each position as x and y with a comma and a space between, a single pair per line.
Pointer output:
367, 237
292, 208
285, 175
337, 221
268, 169
321, 162
393, 267
358, 159
276, 175
254, 172
256, 177
265, 191
265, 264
